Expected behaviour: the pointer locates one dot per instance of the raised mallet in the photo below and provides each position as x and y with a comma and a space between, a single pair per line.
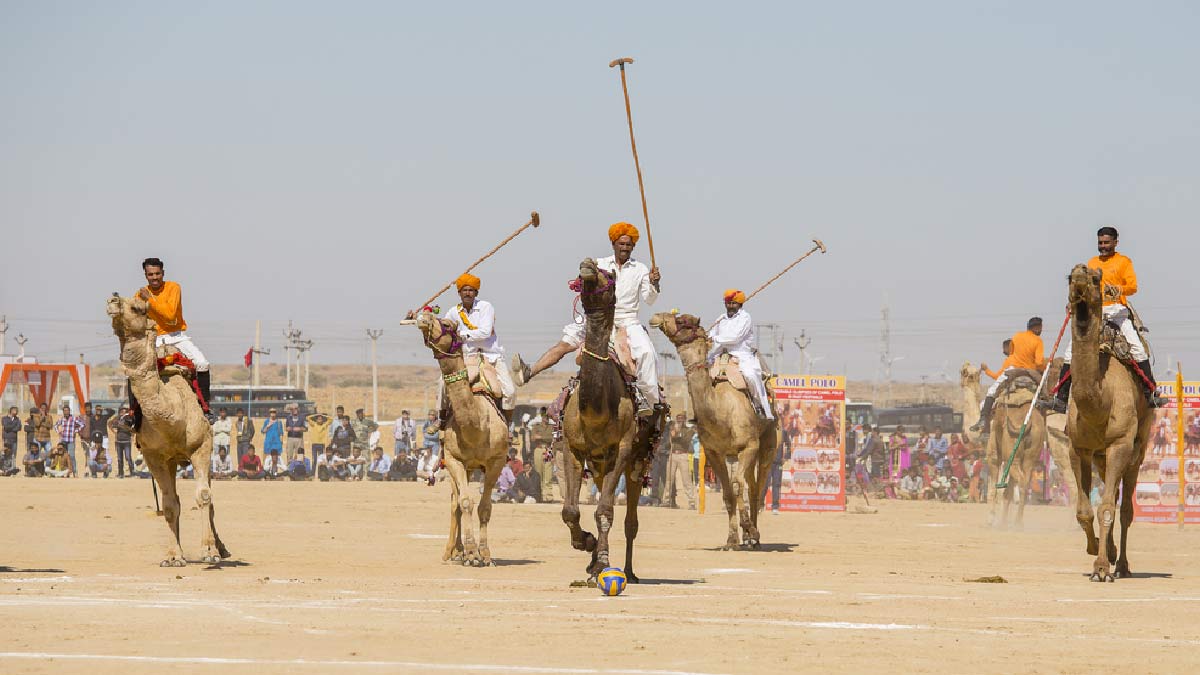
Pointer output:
637, 165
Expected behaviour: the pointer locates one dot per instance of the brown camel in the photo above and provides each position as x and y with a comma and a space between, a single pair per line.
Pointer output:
968, 380
1056, 435
476, 438
728, 427
1008, 414
173, 428
1108, 421
599, 429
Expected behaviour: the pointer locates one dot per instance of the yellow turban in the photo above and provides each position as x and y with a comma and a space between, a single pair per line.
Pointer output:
467, 280
735, 295
618, 230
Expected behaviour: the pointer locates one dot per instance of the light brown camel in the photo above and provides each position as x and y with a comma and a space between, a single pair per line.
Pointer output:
728, 427
1008, 413
968, 380
173, 428
476, 438
1108, 421
599, 429
1056, 435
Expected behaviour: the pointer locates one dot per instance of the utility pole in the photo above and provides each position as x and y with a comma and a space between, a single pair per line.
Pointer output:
374, 335
776, 342
293, 338
21, 340
802, 343
258, 351
4, 334
304, 347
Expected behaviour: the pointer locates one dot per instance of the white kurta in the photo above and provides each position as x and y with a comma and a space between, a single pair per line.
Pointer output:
482, 341
735, 335
633, 289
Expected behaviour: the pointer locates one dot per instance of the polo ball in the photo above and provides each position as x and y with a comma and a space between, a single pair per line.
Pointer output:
611, 581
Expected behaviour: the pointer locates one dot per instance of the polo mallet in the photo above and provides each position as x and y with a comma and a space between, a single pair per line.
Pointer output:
534, 220
154, 488
636, 164
818, 245
1003, 482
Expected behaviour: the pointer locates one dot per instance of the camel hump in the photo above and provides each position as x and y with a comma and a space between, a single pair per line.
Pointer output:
725, 369
483, 377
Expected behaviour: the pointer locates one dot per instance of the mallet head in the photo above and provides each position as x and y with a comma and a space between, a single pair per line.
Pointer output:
820, 245
535, 218
620, 62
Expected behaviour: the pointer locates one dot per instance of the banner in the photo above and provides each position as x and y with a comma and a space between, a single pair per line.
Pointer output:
1164, 473
812, 416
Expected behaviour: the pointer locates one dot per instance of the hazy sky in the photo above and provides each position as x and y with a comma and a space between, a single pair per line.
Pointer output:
334, 163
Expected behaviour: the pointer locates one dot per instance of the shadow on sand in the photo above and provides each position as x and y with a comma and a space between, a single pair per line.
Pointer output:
5, 569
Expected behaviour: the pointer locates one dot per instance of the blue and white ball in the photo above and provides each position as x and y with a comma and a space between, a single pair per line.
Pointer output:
611, 581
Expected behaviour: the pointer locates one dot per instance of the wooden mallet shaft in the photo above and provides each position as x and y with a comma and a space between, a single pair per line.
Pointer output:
534, 220
633, 144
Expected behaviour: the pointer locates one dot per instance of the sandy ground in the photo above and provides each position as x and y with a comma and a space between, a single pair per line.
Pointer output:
349, 578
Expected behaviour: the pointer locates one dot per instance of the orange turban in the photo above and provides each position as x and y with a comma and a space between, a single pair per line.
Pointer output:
618, 230
735, 295
467, 280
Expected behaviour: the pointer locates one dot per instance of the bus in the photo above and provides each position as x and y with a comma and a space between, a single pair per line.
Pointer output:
914, 417
258, 401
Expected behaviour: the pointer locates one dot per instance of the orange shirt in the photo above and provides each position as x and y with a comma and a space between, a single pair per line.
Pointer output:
995, 374
1118, 271
1028, 351
166, 308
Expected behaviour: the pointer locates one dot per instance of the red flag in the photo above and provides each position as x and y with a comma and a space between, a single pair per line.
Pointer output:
249, 357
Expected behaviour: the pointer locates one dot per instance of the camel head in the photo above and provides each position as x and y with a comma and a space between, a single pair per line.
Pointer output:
968, 375
440, 336
128, 316
597, 288
680, 329
1084, 292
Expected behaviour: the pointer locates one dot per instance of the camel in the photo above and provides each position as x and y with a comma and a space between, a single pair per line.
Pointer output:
1108, 421
728, 427
968, 380
173, 428
1008, 414
599, 429
476, 438
1056, 434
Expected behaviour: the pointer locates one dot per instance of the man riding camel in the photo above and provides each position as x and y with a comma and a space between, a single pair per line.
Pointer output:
1024, 351
1120, 282
475, 321
165, 307
733, 334
636, 284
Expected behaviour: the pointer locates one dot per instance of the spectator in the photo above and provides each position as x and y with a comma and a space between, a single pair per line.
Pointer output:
296, 426
543, 463
514, 461
222, 430
678, 474
911, 486
528, 487
938, 448
60, 462
35, 461
318, 432
98, 461
139, 468
274, 466
222, 463
431, 434
68, 428
11, 424
427, 466
342, 437
338, 414
250, 466
8, 460
356, 466
330, 467
403, 467
244, 428
299, 468
898, 445
121, 425
363, 427
185, 471
941, 486
956, 455
97, 426
38, 427
272, 430
504, 485
404, 433
380, 465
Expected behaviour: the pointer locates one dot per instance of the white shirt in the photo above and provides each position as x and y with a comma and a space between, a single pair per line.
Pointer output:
633, 288
381, 465
733, 334
481, 339
221, 429
405, 428
222, 465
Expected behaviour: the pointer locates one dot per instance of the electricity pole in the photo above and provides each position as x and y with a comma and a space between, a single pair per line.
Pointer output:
802, 343
257, 352
304, 347
21, 340
374, 335
4, 334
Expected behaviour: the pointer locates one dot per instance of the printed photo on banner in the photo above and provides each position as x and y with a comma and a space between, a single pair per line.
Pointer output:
812, 420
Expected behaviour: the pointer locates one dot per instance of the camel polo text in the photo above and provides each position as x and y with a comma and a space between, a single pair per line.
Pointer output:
814, 382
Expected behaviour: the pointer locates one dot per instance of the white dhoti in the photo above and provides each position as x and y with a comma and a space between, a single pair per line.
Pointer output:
179, 340
507, 389
991, 392
645, 359
752, 372
1119, 314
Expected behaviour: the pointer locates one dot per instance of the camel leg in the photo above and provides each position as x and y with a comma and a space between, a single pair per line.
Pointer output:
570, 479
454, 547
1081, 466
607, 479
631, 519
759, 490
1102, 464
163, 472
994, 466
466, 505
485, 509
1128, 486
1101, 568
202, 466
747, 494
717, 461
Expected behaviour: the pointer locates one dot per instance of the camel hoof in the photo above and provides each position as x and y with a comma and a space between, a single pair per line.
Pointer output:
210, 560
1095, 577
631, 577
489, 563
173, 562
224, 552
730, 546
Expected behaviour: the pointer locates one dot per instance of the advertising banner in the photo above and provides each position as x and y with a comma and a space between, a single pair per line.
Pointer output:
1167, 473
812, 417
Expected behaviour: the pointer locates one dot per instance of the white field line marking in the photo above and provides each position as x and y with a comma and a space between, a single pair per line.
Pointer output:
409, 665
1156, 599
416, 535
888, 596
729, 570
934, 525
38, 580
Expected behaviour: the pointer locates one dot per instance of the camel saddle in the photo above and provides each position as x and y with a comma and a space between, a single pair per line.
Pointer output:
1114, 343
171, 361
482, 376
725, 369
1019, 387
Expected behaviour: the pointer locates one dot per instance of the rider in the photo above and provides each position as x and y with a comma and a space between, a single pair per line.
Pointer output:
1120, 282
1025, 351
635, 284
733, 333
475, 320
165, 308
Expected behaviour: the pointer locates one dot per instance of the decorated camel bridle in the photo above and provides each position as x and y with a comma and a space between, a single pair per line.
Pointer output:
687, 331
454, 350
608, 279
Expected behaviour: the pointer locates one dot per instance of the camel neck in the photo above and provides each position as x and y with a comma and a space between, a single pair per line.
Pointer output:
138, 361
1085, 355
458, 393
600, 387
694, 356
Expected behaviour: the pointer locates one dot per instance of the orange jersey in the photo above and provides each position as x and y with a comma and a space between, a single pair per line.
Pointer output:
166, 308
1028, 351
1118, 271
995, 374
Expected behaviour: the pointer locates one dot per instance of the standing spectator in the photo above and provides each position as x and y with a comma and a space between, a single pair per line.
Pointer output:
299, 468
342, 437
272, 430
431, 434
901, 454
318, 432
330, 467
504, 485
543, 463
296, 426
338, 413
11, 424
938, 447
98, 461
35, 461
957, 455
379, 466
274, 466
678, 473
68, 428
244, 428
363, 427
38, 427
222, 431
250, 466
222, 463
405, 433
97, 427
60, 462
121, 425
8, 460
85, 434
528, 486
